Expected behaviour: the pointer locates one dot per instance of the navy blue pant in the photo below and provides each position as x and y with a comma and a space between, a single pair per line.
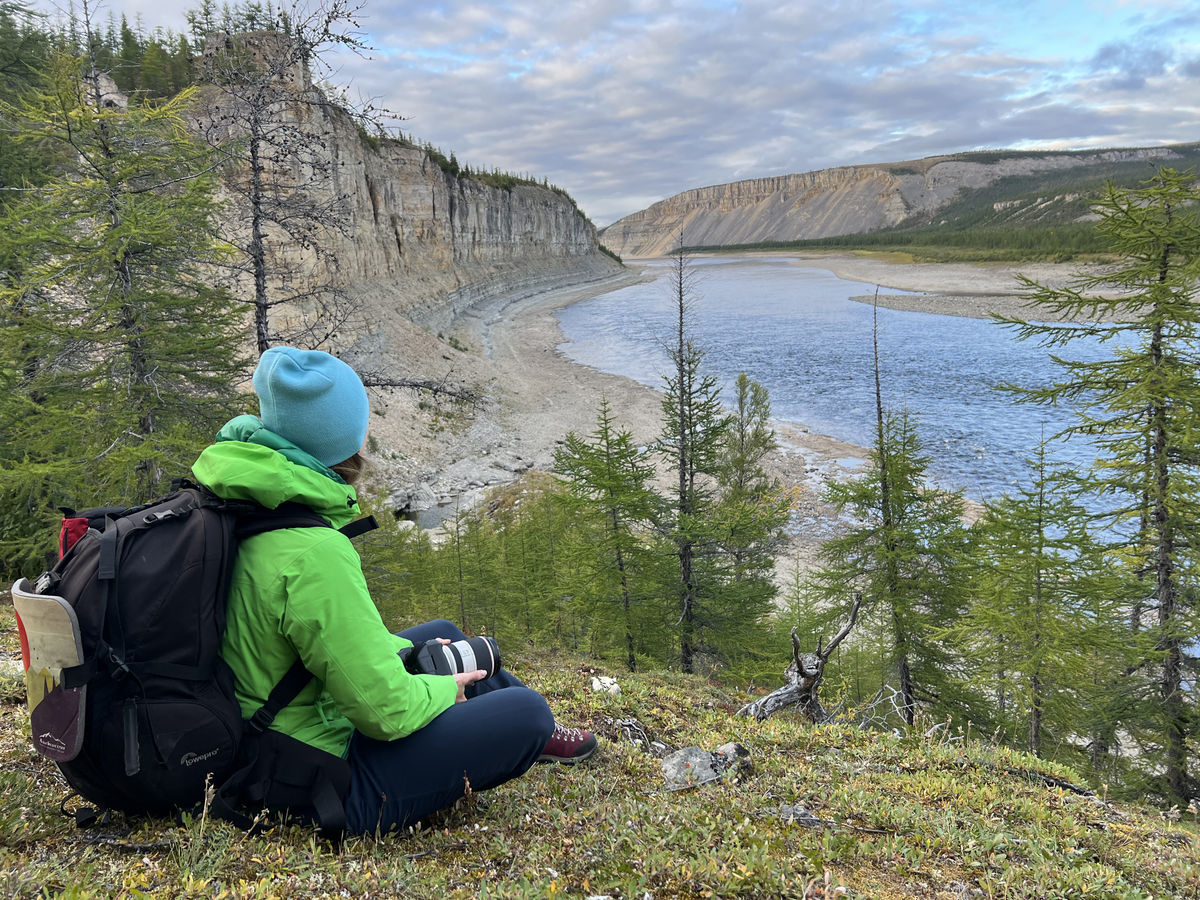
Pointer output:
494, 737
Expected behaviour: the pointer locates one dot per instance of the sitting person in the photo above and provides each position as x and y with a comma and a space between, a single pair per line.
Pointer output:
413, 741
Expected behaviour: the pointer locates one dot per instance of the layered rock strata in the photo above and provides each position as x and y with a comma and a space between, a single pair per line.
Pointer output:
410, 238
417, 250
828, 202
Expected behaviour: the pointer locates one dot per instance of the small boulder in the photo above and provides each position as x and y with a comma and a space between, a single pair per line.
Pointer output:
735, 757
694, 766
605, 684
799, 814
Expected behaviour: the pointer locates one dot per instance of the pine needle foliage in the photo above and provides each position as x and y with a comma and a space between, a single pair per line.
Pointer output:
608, 486
1140, 406
1043, 639
902, 557
694, 428
118, 359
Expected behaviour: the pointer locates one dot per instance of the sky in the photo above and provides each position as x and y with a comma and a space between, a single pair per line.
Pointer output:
626, 102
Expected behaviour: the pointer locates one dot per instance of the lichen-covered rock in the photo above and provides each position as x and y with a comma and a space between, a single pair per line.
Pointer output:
694, 766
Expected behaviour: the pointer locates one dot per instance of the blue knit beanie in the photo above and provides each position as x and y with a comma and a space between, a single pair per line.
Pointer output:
314, 400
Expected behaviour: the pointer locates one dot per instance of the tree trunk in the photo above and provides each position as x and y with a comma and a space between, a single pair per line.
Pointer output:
631, 660
907, 690
1166, 590
892, 577
685, 463
1035, 714
687, 649
257, 250
1166, 595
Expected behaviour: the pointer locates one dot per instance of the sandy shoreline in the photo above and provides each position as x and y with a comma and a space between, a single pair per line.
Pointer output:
968, 306
536, 395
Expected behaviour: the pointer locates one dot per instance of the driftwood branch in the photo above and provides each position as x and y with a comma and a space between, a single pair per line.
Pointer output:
443, 388
803, 678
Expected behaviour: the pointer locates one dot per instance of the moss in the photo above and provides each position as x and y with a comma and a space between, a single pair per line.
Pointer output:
898, 816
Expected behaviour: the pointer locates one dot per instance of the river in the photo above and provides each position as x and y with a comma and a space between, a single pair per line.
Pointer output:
794, 329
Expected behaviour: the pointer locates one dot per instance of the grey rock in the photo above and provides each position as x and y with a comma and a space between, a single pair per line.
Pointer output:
960, 891
799, 814
689, 767
694, 766
735, 757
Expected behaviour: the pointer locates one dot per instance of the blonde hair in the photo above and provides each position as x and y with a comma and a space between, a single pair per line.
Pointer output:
352, 469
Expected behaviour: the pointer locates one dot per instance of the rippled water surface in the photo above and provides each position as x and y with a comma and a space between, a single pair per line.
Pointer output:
794, 329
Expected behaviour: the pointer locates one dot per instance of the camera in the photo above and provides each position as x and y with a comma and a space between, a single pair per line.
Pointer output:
434, 658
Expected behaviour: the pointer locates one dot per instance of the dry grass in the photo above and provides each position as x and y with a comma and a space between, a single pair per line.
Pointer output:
899, 816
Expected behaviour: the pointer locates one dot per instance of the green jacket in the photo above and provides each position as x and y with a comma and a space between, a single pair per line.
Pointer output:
301, 592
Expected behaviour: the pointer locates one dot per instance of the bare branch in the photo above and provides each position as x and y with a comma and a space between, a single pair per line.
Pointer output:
841, 634
442, 388
803, 678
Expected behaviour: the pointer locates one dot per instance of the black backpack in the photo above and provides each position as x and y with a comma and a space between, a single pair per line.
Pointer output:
146, 718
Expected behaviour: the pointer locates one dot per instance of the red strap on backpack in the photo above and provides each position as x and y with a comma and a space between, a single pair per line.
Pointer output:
73, 529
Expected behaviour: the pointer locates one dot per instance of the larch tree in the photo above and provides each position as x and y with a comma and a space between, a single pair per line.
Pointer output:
752, 510
609, 487
899, 562
902, 556
118, 359
24, 53
259, 110
1140, 407
1041, 636
693, 433
755, 507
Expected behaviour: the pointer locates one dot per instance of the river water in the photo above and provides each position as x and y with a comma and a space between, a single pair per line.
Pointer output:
794, 329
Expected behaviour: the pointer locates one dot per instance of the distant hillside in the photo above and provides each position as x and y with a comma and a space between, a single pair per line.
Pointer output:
969, 190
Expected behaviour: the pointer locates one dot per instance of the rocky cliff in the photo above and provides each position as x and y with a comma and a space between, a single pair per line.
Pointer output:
413, 236
428, 245
846, 200
417, 253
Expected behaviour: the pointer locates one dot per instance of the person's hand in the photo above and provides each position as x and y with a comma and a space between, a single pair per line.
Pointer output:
462, 679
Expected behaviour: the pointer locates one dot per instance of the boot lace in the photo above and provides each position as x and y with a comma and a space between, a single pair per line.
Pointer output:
571, 735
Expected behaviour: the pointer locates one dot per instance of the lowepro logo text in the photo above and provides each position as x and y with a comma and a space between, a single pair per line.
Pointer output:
190, 759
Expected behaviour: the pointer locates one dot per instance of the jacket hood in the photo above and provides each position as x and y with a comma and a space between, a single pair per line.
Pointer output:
251, 462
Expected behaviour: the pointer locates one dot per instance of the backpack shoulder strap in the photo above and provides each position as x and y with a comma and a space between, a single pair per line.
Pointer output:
284, 692
359, 526
288, 759
253, 518
295, 515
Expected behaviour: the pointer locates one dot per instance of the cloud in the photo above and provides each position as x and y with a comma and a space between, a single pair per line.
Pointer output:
625, 102
619, 100
1129, 65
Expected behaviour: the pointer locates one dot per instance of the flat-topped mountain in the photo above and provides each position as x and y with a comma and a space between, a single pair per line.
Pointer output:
865, 198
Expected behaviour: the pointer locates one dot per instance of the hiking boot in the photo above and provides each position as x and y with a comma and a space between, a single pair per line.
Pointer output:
568, 745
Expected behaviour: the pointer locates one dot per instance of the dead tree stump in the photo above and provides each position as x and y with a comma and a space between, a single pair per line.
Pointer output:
802, 679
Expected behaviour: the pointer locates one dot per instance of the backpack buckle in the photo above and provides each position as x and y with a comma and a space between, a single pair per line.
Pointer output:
117, 666
261, 720
151, 518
